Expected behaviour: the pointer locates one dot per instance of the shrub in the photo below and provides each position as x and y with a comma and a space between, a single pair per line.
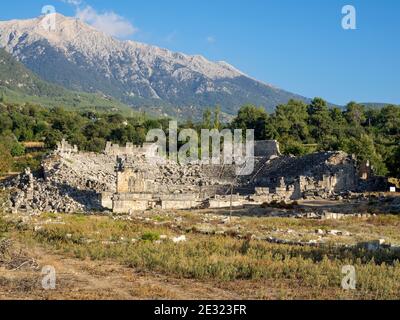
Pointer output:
6, 159
150, 236
17, 150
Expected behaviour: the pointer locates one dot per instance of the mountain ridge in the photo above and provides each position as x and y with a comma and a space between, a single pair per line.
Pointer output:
79, 57
20, 85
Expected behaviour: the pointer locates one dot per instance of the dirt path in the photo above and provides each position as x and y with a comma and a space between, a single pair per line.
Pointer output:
78, 279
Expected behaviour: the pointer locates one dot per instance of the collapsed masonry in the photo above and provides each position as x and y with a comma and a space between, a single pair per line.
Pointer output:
141, 185
276, 177
74, 181
316, 175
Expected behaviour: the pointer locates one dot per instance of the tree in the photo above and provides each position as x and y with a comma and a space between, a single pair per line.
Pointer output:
372, 117
338, 132
133, 135
251, 117
51, 138
389, 120
78, 139
319, 119
355, 114
118, 135
96, 145
293, 147
291, 119
10, 142
337, 117
316, 106
364, 149
394, 163
17, 149
207, 119
217, 114
6, 159
6, 123
116, 119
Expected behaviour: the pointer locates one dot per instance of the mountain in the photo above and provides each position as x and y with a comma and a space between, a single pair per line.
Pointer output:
79, 57
20, 85
377, 105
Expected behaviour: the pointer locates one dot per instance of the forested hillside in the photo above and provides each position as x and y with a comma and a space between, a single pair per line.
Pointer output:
19, 85
371, 134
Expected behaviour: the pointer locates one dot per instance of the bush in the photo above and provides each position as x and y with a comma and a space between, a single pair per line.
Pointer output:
17, 150
280, 205
6, 159
150, 236
295, 148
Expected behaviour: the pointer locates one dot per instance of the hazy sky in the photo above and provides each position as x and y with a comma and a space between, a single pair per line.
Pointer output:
297, 45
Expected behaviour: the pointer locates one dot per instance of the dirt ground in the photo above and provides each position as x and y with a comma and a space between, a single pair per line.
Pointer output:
83, 280
103, 272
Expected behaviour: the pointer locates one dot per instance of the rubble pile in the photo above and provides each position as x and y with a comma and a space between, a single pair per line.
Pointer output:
67, 183
193, 175
321, 175
313, 166
35, 195
81, 171
73, 181
169, 176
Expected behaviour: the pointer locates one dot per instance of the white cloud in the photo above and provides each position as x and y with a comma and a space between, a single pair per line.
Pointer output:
211, 39
73, 2
108, 21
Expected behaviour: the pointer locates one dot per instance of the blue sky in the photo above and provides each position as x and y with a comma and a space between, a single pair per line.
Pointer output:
297, 45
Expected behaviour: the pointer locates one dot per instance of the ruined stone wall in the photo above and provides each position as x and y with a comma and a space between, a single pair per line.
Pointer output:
64, 148
319, 173
106, 200
134, 181
226, 201
365, 170
73, 181
180, 201
127, 202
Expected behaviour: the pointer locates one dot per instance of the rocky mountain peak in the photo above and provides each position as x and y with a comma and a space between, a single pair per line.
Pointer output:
79, 57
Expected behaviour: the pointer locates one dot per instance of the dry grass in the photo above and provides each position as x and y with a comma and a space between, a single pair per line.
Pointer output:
304, 272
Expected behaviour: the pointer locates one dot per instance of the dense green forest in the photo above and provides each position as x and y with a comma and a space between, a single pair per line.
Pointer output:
371, 134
